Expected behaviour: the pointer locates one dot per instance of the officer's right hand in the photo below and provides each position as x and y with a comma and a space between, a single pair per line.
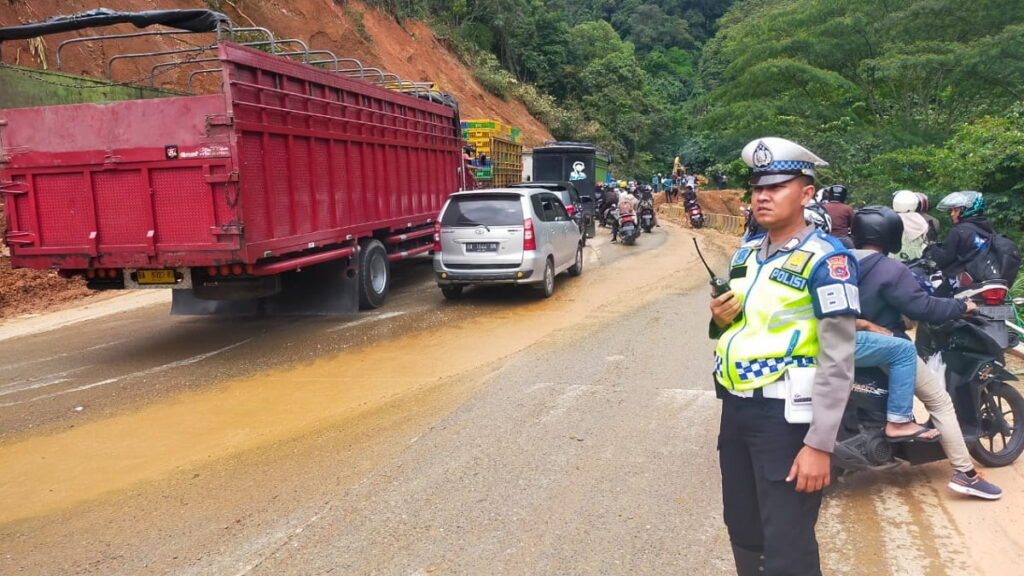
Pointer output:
725, 309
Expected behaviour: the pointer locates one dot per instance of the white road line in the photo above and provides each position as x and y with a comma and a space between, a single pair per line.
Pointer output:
64, 355
147, 372
371, 318
48, 380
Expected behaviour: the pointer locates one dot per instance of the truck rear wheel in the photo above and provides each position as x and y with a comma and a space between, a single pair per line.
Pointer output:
374, 274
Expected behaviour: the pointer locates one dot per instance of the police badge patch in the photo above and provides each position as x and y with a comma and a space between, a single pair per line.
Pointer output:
762, 155
838, 267
797, 261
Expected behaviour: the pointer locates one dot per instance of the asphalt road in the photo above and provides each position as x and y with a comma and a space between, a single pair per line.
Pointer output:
501, 434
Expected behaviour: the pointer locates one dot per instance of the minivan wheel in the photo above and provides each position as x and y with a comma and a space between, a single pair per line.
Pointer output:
547, 287
577, 267
452, 291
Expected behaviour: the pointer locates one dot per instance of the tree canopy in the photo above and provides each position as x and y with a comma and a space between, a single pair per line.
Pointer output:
921, 94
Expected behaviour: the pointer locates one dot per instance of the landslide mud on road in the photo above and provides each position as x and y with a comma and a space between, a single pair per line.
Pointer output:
86, 462
265, 473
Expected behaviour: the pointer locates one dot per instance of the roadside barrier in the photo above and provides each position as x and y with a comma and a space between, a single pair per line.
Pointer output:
722, 222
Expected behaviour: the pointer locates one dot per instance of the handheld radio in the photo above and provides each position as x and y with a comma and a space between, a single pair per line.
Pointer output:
719, 285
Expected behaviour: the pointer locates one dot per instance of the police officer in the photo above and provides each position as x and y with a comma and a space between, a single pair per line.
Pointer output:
793, 303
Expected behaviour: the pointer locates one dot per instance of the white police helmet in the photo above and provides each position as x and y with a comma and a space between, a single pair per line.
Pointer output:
777, 160
904, 201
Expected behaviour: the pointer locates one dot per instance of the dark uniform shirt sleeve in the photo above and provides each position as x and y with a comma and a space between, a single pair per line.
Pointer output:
836, 304
912, 301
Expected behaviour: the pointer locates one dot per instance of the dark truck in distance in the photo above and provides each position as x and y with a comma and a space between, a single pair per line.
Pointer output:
291, 189
581, 163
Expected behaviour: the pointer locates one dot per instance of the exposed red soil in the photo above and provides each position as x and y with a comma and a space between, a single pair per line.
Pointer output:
409, 49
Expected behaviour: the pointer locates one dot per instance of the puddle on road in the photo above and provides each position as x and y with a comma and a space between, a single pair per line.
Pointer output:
49, 473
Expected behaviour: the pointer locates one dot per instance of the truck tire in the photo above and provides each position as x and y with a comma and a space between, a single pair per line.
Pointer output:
374, 274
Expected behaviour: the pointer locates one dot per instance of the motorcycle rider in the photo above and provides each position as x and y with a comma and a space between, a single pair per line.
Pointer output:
875, 349
646, 198
968, 237
627, 206
608, 202
933, 223
841, 213
915, 227
889, 291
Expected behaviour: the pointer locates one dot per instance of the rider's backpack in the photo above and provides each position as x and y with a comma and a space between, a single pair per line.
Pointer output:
999, 259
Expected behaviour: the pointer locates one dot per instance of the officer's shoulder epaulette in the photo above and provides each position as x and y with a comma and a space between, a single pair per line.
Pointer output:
824, 244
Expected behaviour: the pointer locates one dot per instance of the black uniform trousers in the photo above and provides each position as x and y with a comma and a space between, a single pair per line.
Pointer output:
763, 512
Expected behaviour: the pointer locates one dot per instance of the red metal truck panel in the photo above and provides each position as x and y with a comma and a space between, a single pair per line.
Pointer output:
289, 158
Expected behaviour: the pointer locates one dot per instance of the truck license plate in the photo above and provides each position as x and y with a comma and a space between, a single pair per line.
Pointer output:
482, 247
156, 277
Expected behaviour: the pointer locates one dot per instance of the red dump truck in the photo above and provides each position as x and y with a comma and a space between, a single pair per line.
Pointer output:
290, 191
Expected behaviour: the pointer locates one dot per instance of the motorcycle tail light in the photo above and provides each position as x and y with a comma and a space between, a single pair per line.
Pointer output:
993, 296
570, 209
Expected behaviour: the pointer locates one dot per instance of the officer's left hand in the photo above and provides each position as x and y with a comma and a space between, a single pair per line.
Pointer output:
811, 469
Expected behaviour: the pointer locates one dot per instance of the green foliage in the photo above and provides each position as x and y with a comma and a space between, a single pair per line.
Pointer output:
919, 94
357, 20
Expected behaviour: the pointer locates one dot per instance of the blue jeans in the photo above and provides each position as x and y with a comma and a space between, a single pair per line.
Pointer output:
900, 356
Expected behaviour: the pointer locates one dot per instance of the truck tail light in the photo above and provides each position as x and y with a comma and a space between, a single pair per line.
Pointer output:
993, 296
437, 236
529, 242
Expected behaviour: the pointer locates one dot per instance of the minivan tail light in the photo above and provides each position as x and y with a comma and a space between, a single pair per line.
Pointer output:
437, 236
529, 242
994, 296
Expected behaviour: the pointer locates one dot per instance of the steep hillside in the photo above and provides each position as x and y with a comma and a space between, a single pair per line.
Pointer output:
349, 29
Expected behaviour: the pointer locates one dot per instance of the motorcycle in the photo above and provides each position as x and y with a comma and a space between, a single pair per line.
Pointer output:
987, 407
696, 215
628, 230
647, 216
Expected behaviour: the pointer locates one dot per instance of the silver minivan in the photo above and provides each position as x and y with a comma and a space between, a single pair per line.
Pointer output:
505, 236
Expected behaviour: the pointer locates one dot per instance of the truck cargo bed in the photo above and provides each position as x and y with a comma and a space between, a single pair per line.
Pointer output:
289, 159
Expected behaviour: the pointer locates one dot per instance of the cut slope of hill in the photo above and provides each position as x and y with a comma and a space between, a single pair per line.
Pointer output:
350, 29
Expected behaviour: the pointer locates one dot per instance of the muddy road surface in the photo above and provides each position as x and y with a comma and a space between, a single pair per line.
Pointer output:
499, 434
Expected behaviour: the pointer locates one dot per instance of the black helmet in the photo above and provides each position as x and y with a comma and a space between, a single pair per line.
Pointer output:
836, 193
878, 226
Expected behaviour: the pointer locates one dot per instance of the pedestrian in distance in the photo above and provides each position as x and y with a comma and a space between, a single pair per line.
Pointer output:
792, 307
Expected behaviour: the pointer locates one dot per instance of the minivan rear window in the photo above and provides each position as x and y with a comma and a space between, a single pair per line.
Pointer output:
496, 210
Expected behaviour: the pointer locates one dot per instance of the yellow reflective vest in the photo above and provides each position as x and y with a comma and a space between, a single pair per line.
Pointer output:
782, 299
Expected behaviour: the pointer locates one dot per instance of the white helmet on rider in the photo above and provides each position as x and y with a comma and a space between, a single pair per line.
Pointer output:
904, 201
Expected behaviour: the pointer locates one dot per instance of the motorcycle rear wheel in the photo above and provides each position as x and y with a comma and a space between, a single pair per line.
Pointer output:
1002, 426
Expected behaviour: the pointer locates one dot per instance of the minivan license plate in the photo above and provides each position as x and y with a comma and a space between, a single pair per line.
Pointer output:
482, 247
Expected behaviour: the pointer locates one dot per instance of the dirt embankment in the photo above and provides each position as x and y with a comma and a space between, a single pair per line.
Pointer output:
349, 29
